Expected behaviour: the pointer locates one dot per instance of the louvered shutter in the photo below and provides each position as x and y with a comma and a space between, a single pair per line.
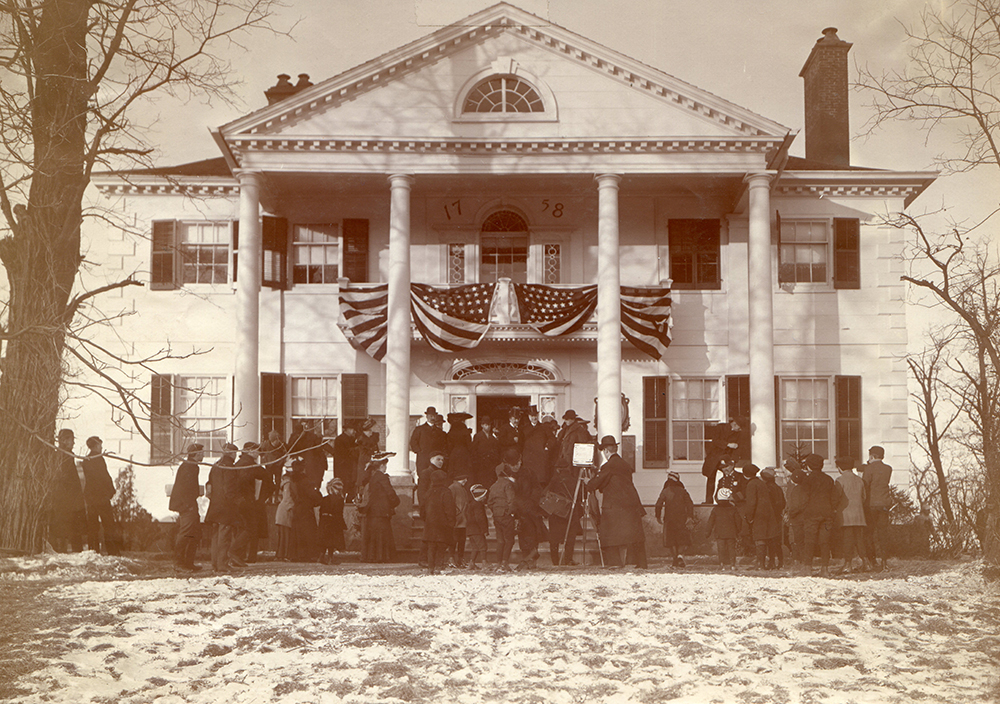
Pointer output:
848, 393
161, 425
846, 253
355, 238
162, 260
354, 393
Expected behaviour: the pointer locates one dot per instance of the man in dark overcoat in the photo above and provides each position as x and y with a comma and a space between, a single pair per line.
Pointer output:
98, 490
485, 453
307, 444
345, 458
621, 508
221, 515
539, 447
511, 433
68, 514
184, 500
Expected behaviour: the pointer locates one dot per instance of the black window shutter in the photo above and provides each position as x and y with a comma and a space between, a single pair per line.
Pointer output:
272, 404
355, 238
275, 248
354, 392
163, 252
846, 253
848, 393
655, 430
161, 426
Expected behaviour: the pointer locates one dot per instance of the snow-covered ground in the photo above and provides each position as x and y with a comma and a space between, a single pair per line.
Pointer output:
366, 634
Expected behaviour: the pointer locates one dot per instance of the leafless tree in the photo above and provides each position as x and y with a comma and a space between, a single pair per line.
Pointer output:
950, 79
74, 74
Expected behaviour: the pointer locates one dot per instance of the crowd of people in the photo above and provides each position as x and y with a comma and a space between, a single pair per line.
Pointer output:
526, 473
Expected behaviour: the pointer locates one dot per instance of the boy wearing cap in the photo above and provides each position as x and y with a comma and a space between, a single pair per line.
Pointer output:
501, 502
463, 499
184, 500
439, 520
331, 522
724, 526
477, 525
675, 512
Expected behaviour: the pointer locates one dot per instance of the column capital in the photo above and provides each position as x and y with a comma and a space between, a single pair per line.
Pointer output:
397, 180
249, 176
608, 180
759, 179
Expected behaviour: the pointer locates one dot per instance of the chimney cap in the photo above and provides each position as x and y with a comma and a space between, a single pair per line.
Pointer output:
829, 40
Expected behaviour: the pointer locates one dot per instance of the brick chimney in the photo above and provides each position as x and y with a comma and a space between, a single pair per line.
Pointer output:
827, 118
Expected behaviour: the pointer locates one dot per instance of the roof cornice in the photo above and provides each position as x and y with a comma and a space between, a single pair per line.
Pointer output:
194, 186
855, 184
490, 22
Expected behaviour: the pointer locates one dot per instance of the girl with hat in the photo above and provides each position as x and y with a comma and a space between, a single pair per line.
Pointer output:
377, 503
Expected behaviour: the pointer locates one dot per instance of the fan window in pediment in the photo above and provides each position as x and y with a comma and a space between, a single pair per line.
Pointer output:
507, 94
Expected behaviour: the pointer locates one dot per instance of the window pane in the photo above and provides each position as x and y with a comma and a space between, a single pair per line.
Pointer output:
316, 251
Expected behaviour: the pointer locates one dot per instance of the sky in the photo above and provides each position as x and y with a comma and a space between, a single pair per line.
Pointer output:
748, 53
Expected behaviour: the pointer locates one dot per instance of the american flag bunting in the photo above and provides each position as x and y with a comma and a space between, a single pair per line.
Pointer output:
453, 318
365, 310
555, 311
646, 318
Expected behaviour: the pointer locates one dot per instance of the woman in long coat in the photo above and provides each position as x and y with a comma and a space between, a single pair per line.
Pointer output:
621, 508
675, 510
378, 504
283, 518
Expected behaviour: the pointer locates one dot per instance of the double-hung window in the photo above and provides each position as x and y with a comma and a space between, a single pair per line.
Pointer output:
314, 398
695, 253
187, 409
325, 252
820, 252
804, 409
695, 405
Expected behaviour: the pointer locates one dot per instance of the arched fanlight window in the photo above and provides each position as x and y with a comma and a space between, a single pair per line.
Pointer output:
507, 94
503, 246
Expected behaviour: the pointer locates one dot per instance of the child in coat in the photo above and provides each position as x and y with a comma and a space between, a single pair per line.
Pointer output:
331, 522
477, 526
675, 512
724, 525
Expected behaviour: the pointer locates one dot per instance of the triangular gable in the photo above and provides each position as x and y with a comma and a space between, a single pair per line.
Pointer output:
494, 21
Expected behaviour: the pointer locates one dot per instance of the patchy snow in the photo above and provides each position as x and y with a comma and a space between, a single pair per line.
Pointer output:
389, 635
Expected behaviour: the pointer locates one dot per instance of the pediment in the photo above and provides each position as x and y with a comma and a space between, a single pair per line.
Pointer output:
414, 93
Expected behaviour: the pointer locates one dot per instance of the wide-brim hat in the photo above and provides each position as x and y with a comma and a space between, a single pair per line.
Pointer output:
458, 417
570, 415
367, 424
382, 456
250, 447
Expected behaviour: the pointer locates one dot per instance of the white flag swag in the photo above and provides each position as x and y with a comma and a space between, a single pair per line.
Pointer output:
458, 317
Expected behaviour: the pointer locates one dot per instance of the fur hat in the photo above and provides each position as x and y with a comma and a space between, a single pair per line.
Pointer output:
479, 492
814, 462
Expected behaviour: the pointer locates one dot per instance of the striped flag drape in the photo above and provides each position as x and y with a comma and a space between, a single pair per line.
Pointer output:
365, 310
452, 318
555, 311
646, 318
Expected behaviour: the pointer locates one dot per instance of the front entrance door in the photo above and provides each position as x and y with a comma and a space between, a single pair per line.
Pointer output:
498, 407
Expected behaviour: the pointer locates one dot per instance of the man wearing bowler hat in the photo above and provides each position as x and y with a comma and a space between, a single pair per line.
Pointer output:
621, 509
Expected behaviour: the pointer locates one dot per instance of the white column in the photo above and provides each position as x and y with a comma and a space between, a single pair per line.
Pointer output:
397, 356
246, 389
761, 320
609, 318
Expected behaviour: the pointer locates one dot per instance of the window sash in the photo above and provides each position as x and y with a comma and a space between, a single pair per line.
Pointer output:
694, 405
805, 418
804, 251
204, 249
313, 397
695, 253
201, 412
655, 416
316, 253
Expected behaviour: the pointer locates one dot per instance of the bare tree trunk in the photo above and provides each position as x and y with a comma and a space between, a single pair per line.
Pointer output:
42, 258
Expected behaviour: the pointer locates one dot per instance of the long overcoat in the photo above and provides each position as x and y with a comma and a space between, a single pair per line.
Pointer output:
854, 489
676, 508
763, 509
621, 508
